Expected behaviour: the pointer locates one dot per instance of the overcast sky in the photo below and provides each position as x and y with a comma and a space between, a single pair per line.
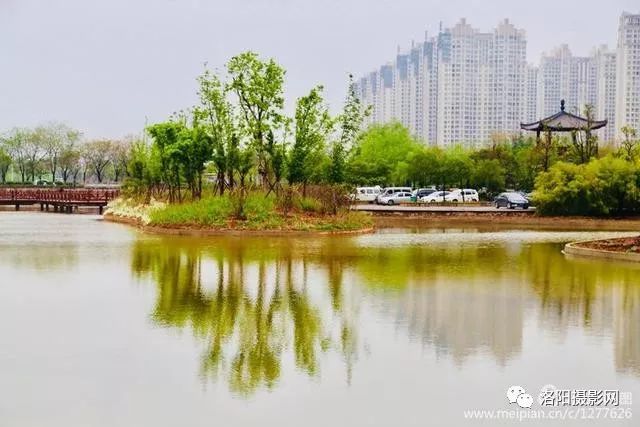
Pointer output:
104, 65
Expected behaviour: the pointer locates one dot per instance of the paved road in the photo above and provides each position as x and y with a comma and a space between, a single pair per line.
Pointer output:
409, 208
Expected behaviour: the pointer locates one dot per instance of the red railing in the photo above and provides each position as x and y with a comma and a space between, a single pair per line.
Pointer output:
57, 195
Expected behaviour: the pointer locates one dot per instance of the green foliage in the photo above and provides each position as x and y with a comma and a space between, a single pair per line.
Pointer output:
488, 174
601, 187
381, 155
350, 125
206, 212
258, 86
629, 146
312, 126
5, 163
310, 205
425, 166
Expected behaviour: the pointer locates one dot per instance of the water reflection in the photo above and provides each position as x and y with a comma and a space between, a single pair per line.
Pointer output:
255, 302
249, 304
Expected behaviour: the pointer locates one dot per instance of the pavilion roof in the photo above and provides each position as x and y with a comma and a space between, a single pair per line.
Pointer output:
563, 122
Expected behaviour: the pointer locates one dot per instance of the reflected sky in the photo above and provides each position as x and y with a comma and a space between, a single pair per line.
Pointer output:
103, 325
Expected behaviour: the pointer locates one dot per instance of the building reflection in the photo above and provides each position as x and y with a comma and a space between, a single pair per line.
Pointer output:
602, 298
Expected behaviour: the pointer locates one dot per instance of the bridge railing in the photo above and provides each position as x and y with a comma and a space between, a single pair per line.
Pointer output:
57, 195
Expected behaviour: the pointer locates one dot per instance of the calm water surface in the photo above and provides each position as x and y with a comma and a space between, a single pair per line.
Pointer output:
101, 325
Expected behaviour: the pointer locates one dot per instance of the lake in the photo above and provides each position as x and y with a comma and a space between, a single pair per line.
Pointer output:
102, 325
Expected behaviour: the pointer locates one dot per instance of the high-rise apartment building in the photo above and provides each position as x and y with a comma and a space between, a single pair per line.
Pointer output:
458, 87
463, 85
530, 103
605, 104
628, 73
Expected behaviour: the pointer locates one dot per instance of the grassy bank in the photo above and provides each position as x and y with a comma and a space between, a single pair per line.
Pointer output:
255, 212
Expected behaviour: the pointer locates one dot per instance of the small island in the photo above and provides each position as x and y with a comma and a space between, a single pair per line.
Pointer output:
235, 213
236, 163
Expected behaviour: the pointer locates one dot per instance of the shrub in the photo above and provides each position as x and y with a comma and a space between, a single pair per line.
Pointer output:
309, 204
260, 210
286, 199
210, 211
601, 187
332, 198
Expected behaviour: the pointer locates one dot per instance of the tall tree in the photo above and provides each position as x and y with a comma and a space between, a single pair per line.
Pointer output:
350, 123
97, 154
16, 146
629, 143
258, 86
5, 163
119, 157
56, 139
216, 114
34, 149
167, 141
584, 141
312, 126
69, 164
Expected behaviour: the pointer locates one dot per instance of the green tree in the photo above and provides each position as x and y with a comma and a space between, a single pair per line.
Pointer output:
69, 163
629, 143
312, 126
56, 139
584, 141
5, 163
488, 174
167, 147
216, 113
350, 124
258, 86
458, 166
96, 154
382, 151
424, 166
15, 145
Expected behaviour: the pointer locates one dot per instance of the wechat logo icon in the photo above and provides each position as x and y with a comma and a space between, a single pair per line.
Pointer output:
517, 394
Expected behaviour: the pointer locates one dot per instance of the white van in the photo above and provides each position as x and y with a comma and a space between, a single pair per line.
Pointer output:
366, 194
392, 190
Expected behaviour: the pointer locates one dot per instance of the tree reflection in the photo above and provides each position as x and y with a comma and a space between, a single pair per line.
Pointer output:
247, 305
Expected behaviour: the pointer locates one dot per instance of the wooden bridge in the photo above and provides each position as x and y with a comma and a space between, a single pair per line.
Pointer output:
59, 199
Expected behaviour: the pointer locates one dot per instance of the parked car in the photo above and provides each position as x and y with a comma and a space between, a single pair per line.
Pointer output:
464, 195
423, 192
391, 190
525, 195
395, 198
366, 194
511, 201
436, 196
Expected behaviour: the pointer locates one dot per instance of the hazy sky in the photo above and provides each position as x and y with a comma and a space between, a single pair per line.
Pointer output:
104, 65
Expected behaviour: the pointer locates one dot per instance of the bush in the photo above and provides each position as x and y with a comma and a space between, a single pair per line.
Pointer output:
601, 187
261, 211
210, 211
309, 204
332, 198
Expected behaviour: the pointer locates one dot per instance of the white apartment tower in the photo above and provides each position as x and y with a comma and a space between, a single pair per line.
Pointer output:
529, 104
557, 80
628, 73
605, 64
463, 85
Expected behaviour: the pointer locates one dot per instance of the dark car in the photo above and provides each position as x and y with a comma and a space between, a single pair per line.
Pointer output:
423, 192
511, 201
